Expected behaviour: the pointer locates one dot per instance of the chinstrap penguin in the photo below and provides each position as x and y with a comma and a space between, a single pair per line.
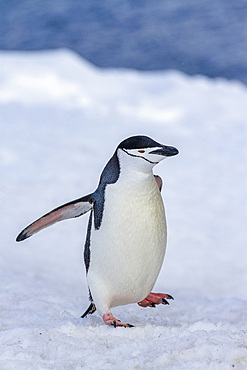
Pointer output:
126, 236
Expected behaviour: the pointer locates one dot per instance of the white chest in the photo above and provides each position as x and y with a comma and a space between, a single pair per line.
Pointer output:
127, 251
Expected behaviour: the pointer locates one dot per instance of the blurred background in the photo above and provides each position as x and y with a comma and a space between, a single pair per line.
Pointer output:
63, 110
196, 37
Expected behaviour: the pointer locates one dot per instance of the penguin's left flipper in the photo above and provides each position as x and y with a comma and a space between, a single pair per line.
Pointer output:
155, 298
75, 208
158, 180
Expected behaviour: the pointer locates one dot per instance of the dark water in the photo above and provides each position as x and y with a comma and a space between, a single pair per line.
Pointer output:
203, 36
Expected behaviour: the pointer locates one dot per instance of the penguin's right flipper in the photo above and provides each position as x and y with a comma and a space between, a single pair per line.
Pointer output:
158, 180
91, 309
75, 208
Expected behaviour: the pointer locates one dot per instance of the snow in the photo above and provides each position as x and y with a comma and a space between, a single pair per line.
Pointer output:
61, 119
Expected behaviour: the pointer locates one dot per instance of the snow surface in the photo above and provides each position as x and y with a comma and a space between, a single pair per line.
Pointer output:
61, 119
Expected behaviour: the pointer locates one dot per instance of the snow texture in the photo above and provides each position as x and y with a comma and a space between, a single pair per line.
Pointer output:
60, 120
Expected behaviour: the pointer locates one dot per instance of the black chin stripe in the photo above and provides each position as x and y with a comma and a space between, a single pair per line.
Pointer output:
138, 156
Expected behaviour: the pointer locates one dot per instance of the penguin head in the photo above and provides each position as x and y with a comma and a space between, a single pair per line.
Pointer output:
143, 153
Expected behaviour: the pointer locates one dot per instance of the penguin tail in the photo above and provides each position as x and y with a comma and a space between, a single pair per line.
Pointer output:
91, 309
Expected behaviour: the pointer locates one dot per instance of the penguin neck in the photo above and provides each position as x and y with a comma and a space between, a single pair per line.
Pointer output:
134, 171
132, 176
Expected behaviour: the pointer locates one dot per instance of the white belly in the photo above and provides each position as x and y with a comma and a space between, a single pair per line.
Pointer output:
127, 251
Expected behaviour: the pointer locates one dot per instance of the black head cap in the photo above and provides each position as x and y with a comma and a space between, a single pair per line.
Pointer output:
138, 142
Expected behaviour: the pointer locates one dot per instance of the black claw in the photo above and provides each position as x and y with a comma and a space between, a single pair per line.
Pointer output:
114, 323
168, 296
152, 305
164, 301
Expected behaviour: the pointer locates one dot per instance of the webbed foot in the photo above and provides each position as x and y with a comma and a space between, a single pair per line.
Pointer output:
155, 298
109, 319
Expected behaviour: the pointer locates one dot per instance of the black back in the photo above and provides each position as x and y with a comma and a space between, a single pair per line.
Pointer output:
109, 175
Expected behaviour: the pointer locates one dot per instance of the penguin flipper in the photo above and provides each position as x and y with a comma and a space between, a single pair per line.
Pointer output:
158, 180
91, 309
75, 208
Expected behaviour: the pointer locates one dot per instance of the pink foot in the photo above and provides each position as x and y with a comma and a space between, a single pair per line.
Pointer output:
109, 319
155, 298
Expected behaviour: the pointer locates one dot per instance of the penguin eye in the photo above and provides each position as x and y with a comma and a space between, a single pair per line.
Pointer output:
141, 151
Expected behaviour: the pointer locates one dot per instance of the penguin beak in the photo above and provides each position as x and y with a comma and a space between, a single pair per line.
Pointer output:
166, 151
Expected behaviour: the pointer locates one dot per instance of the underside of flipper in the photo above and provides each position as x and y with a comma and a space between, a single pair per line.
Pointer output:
73, 209
158, 180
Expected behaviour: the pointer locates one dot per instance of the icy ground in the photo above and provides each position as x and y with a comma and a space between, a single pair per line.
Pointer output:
60, 121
